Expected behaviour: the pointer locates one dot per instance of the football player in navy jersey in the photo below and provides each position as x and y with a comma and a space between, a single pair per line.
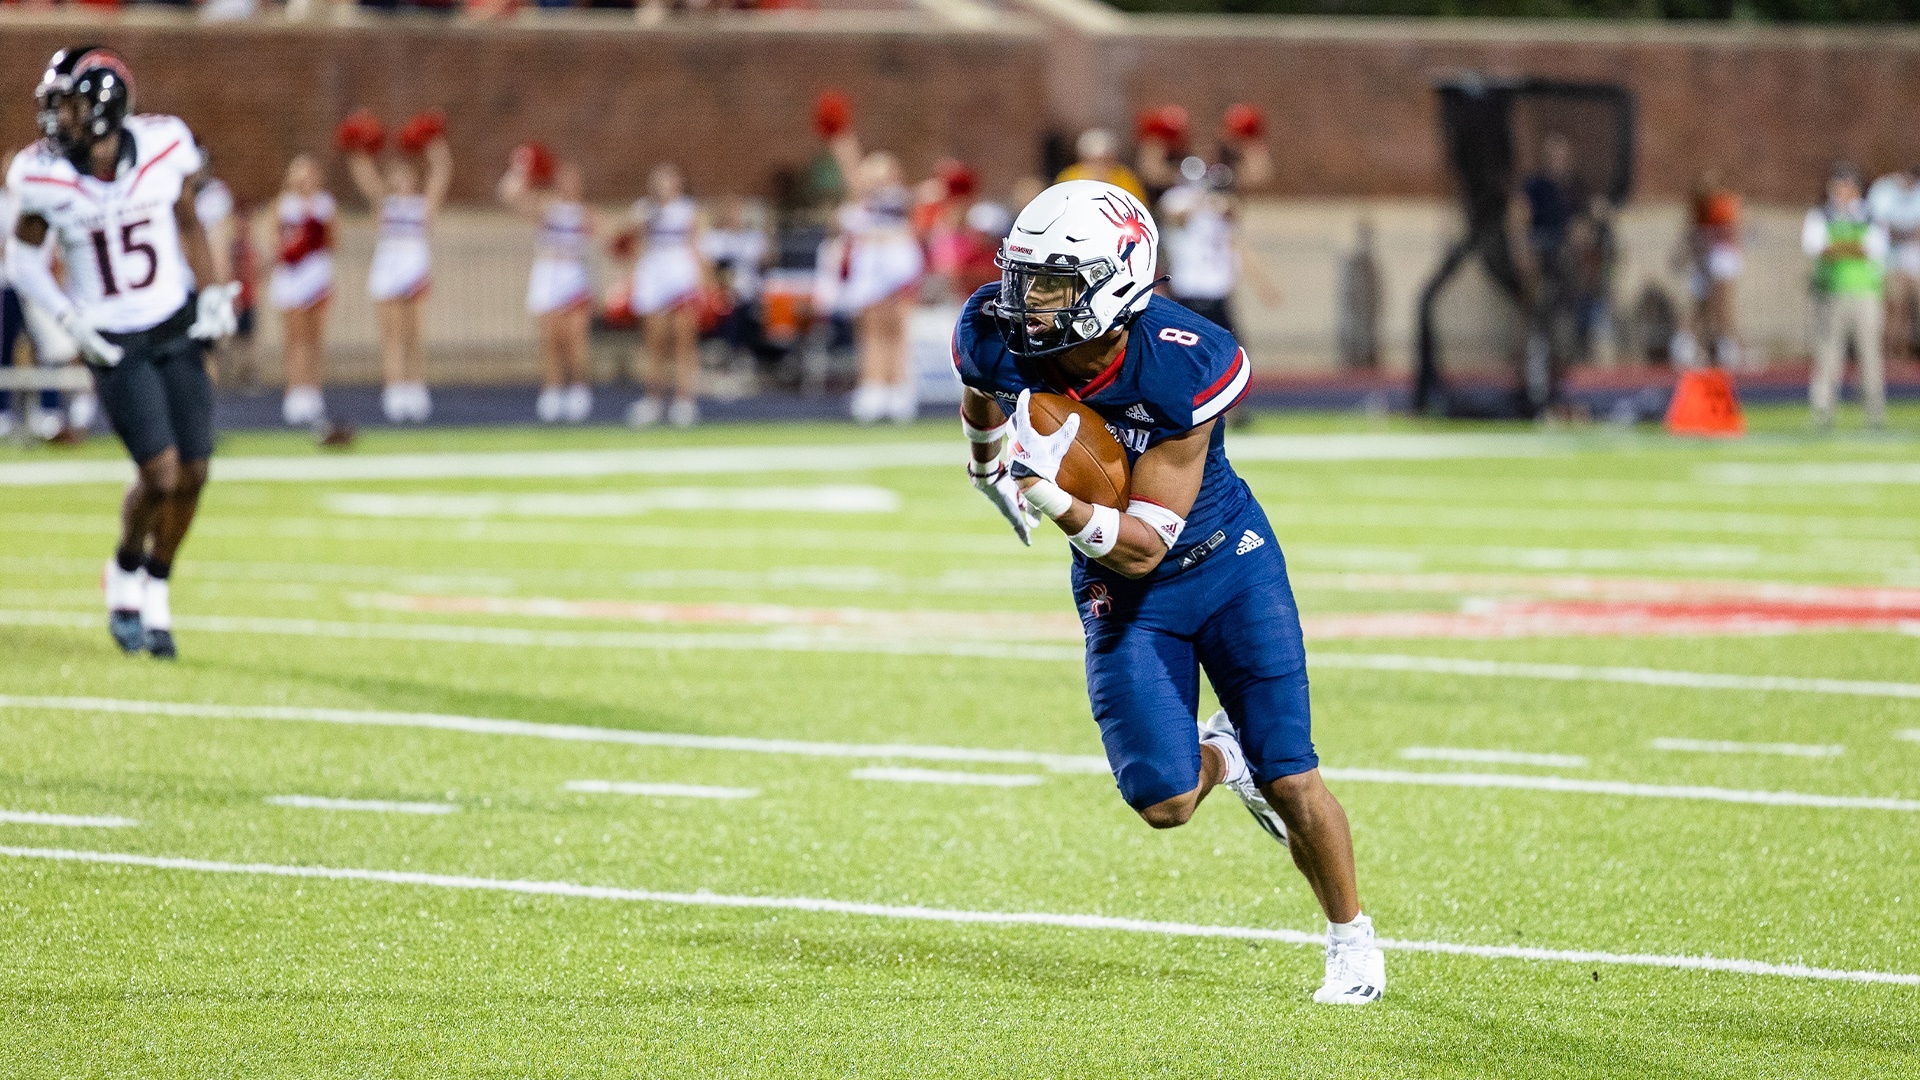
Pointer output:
1186, 577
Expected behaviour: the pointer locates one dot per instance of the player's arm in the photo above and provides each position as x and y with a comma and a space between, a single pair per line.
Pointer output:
439, 173
30, 270
516, 189
195, 242
989, 436
1165, 483
214, 317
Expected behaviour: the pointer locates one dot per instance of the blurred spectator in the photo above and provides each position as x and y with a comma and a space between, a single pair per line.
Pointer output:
1894, 203
666, 289
1205, 259
878, 263
547, 191
960, 234
1850, 249
740, 251
1712, 256
302, 288
1160, 137
50, 345
1358, 318
408, 200
1098, 152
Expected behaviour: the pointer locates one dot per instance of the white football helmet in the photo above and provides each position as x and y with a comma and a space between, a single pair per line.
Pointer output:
1079, 263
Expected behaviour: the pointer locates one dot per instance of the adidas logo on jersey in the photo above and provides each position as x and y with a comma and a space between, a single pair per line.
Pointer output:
1139, 412
1248, 541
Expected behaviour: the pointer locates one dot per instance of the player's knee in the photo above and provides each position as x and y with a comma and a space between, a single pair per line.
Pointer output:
1170, 814
1298, 797
193, 477
161, 476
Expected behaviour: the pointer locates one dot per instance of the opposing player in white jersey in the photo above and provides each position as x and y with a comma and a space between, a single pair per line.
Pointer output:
116, 193
402, 267
559, 291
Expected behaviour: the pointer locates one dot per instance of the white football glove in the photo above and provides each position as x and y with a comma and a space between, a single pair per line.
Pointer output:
1035, 454
94, 349
215, 317
991, 478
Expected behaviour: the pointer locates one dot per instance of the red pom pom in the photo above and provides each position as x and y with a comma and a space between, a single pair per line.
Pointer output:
1243, 122
1167, 124
360, 133
537, 162
422, 130
960, 181
832, 114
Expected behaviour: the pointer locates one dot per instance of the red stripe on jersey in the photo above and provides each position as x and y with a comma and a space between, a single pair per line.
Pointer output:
1101, 381
171, 147
1239, 357
1155, 502
53, 180
956, 348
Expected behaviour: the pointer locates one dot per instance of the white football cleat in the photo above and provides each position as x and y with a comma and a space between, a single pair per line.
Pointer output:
1218, 731
683, 413
1356, 968
550, 405
646, 412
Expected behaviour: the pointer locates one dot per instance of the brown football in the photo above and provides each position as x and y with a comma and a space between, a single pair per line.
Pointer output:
1095, 468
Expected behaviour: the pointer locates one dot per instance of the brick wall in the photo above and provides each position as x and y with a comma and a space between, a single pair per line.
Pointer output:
1350, 102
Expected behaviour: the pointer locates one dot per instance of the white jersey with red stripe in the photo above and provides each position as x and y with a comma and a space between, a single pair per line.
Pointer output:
1178, 372
125, 268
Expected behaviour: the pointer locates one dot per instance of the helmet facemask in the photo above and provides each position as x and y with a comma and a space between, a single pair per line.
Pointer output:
1046, 308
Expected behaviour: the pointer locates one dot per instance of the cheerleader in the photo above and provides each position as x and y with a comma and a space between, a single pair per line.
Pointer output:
558, 292
402, 259
882, 263
302, 286
666, 287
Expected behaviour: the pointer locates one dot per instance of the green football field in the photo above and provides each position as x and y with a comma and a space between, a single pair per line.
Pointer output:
764, 751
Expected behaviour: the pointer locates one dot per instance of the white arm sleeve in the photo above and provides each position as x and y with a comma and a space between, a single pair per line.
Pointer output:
31, 272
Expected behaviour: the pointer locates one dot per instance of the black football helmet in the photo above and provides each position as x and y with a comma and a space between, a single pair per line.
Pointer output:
95, 77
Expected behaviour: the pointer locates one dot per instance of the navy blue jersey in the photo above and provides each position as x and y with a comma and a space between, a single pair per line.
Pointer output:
1178, 372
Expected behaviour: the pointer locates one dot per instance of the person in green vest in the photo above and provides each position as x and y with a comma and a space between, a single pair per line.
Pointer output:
1850, 252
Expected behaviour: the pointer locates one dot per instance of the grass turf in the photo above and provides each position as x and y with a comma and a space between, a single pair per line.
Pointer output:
123, 971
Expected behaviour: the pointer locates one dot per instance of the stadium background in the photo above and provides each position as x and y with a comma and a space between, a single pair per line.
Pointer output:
1349, 103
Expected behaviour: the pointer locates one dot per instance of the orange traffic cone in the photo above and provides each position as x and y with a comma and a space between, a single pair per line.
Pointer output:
1705, 403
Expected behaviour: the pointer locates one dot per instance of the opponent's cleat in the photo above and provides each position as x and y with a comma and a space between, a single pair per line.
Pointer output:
1356, 968
127, 631
1218, 730
160, 645
126, 596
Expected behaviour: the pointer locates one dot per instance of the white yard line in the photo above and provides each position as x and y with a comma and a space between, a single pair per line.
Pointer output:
1637, 676
822, 457
1719, 746
788, 639
1492, 757
825, 499
1061, 763
810, 640
1621, 788
1822, 475
379, 806
946, 915
667, 791
478, 725
936, 776
84, 821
